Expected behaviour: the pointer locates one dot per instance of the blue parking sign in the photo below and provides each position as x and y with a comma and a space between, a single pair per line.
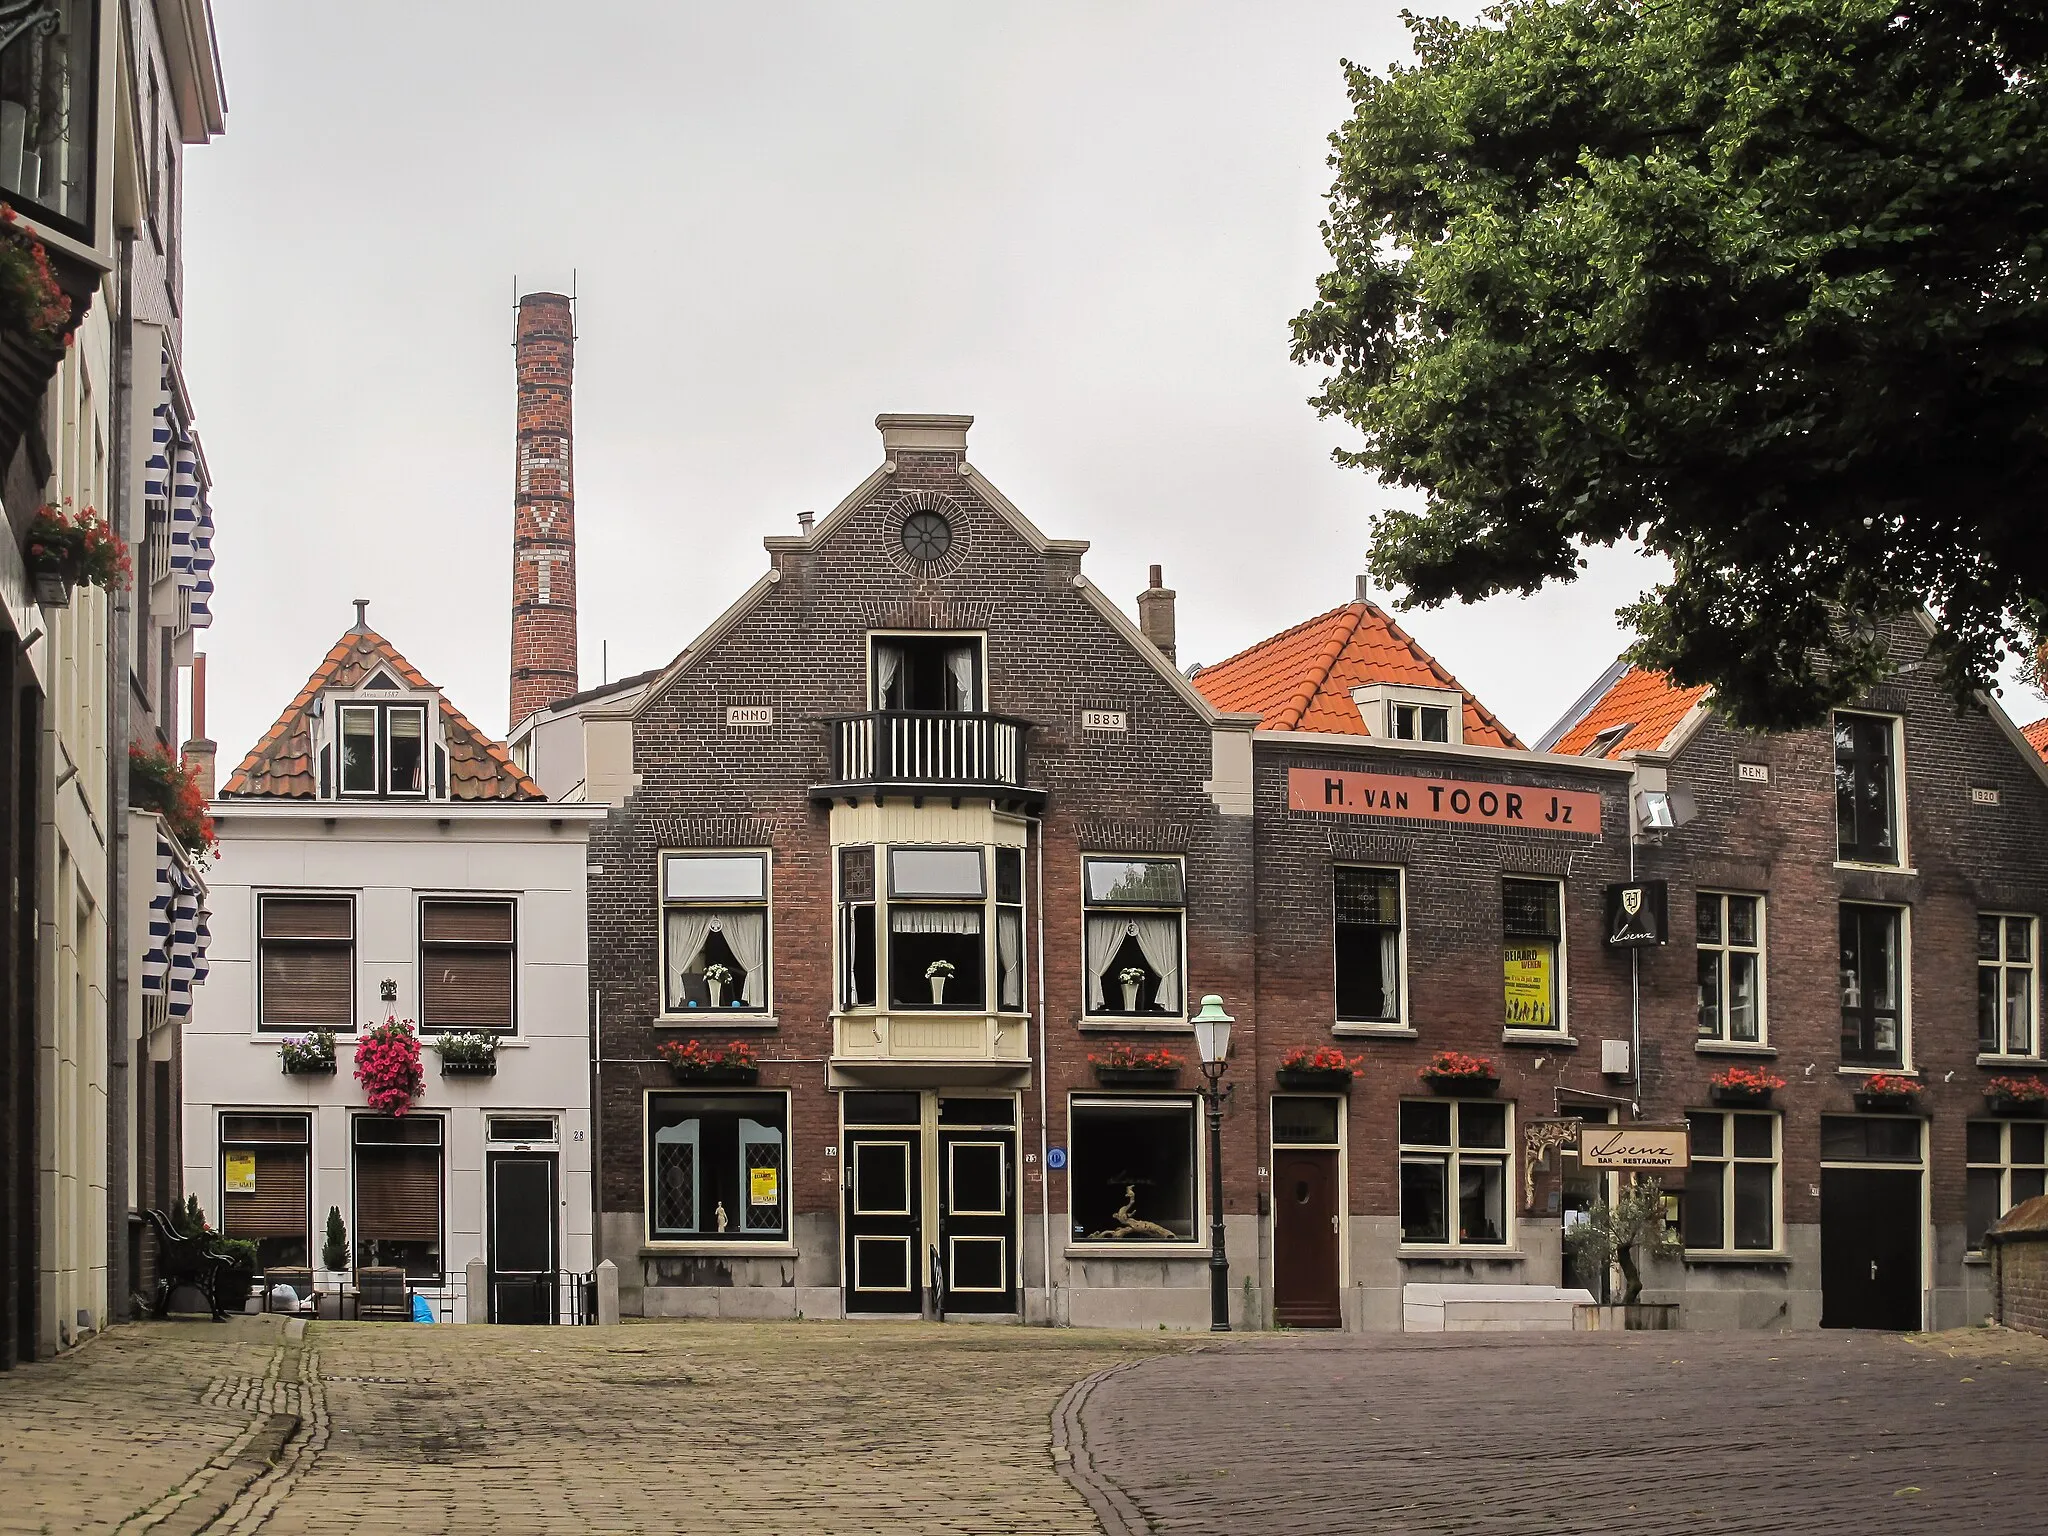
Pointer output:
1055, 1158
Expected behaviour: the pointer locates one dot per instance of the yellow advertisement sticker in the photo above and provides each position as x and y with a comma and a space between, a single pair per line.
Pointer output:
763, 1187
1526, 970
241, 1173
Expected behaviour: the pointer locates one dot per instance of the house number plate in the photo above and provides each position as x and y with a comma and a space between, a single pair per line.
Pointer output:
1105, 720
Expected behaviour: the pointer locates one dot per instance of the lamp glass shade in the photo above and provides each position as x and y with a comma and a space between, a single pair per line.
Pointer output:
1212, 1030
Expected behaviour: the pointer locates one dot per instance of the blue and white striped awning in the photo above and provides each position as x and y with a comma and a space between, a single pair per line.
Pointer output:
175, 960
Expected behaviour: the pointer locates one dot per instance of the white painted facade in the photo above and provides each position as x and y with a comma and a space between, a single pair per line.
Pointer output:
386, 857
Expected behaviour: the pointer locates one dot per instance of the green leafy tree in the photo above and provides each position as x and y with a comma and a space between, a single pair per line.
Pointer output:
1760, 283
1623, 1232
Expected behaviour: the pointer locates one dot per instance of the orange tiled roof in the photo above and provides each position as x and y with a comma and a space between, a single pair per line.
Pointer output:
1301, 679
281, 764
1647, 702
2037, 736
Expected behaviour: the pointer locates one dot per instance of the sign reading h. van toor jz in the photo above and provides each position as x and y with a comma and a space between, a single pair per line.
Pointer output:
1473, 802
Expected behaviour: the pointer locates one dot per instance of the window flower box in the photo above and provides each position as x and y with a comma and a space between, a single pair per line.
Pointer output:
1744, 1087
1883, 1093
467, 1055
2017, 1098
692, 1061
1122, 1066
1457, 1075
67, 550
1326, 1069
308, 1056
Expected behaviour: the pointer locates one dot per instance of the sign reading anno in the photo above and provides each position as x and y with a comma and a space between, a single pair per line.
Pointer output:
1471, 802
1105, 720
750, 714
1649, 1148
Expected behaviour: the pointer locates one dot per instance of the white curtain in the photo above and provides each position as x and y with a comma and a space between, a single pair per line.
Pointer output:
960, 668
1390, 973
888, 662
688, 927
935, 920
746, 934
1159, 938
1105, 938
1009, 951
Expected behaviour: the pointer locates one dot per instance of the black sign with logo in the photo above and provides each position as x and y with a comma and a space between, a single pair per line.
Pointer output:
1637, 914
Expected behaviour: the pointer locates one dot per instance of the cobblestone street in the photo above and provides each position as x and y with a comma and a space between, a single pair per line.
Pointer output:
834, 1428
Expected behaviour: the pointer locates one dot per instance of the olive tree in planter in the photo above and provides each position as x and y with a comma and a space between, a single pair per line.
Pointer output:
1625, 1232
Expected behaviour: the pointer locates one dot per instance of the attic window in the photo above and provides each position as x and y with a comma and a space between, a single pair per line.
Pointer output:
1419, 722
1406, 712
383, 749
383, 680
1607, 740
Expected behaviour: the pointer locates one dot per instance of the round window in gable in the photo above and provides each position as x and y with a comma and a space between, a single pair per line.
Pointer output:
927, 536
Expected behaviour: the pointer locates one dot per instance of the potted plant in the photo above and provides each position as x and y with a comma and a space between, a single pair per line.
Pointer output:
334, 1248
2017, 1098
1323, 1067
1632, 1227
1887, 1092
67, 549
159, 782
1125, 1066
717, 978
1454, 1072
308, 1055
1744, 1085
388, 1065
32, 302
467, 1054
1130, 978
936, 973
692, 1061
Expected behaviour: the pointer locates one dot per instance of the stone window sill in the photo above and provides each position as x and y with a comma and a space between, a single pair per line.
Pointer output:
1459, 1255
713, 1018
1761, 1259
716, 1250
1877, 1071
1538, 1037
1137, 1251
1375, 1032
1990, 1060
1733, 1048
1136, 1024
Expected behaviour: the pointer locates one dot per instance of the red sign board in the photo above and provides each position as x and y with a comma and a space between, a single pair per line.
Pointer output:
1469, 802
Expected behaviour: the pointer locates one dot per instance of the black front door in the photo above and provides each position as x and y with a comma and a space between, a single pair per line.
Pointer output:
884, 1221
1870, 1248
977, 1220
521, 1256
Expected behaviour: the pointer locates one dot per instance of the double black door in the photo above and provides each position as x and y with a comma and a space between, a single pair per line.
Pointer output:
884, 1220
1870, 1262
521, 1251
977, 1220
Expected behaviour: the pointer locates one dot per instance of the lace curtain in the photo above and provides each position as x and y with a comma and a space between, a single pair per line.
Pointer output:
1159, 938
688, 928
960, 673
1105, 937
1009, 951
746, 934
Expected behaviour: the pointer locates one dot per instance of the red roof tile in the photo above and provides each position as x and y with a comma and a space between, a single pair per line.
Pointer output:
281, 764
1301, 679
1646, 702
2037, 736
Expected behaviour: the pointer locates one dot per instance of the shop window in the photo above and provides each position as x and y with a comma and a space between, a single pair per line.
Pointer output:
1368, 909
1873, 1028
1731, 1189
1133, 936
468, 963
717, 1167
265, 1193
1532, 952
383, 749
305, 962
1866, 789
1729, 936
2008, 1163
857, 927
1132, 1169
934, 674
936, 942
715, 932
1454, 1173
47, 113
2005, 984
398, 1193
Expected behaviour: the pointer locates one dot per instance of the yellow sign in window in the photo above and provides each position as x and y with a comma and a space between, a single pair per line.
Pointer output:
241, 1173
1529, 971
763, 1186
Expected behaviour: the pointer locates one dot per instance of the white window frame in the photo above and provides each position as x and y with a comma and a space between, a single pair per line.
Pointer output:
258, 1029
1376, 703
1905, 1064
783, 1246
422, 899
1199, 1243
1561, 988
1135, 1021
978, 636
1904, 862
728, 1018
2033, 968
1723, 949
1452, 1156
1400, 1020
1728, 1158
2005, 1167
381, 703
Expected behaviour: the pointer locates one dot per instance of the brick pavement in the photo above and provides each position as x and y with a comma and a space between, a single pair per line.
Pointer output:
1644, 1434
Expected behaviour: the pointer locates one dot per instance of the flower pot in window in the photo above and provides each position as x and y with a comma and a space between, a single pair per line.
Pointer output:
1130, 991
309, 1068
1137, 1077
53, 585
1888, 1103
1314, 1079
938, 989
717, 991
721, 1073
1463, 1085
486, 1067
2008, 1107
1740, 1098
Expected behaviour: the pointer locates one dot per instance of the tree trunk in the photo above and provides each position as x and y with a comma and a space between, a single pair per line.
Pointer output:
1631, 1274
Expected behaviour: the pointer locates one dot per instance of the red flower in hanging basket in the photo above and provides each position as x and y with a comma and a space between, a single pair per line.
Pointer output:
1120, 1057
1747, 1080
1456, 1064
696, 1056
388, 1066
1884, 1085
2021, 1090
1324, 1058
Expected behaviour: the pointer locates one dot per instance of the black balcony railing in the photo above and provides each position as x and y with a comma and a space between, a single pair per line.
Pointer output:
928, 751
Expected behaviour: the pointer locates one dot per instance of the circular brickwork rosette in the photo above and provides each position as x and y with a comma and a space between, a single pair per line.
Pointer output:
926, 534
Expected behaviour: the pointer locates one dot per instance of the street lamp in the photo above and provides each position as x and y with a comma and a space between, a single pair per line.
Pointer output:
1212, 1041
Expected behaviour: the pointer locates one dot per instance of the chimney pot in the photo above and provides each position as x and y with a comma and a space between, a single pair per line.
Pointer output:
1155, 614
803, 521
362, 614
1362, 589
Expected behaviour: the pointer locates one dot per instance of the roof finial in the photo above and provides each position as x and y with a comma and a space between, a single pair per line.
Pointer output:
1362, 589
362, 615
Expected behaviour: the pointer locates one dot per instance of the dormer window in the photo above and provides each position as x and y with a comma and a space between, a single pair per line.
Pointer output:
382, 749
1402, 713
1419, 722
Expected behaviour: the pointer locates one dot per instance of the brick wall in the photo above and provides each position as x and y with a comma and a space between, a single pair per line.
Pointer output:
544, 508
2021, 1268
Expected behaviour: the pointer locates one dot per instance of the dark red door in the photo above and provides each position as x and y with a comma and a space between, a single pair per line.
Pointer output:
1305, 1238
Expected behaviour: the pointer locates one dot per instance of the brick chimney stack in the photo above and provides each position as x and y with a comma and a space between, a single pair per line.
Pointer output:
544, 508
1155, 614
199, 754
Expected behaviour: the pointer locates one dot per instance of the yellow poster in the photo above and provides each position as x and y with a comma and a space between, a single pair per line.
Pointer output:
241, 1173
1527, 973
762, 1186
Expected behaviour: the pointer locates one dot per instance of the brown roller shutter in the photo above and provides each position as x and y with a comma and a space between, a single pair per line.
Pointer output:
398, 1194
279, 1207
308, 917
466, 989
474, 922
308, 984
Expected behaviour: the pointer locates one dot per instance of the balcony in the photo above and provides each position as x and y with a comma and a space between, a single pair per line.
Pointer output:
920, 753
881, 1047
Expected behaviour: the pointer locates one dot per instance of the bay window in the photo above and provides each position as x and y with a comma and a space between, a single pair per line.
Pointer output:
1133, 936
714, 932
937, 908
46, 112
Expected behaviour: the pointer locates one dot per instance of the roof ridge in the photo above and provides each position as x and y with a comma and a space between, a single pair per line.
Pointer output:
1319, 670
1260, 645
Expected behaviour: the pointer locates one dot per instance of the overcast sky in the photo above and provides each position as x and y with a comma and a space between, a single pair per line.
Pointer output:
1085, 225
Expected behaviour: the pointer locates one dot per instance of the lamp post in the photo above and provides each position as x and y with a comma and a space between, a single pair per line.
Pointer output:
1212, 1041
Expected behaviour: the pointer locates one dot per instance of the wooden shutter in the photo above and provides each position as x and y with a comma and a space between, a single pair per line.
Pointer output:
467, 922
308, 984
466, 989
308, 917
278, 1208
398, 1194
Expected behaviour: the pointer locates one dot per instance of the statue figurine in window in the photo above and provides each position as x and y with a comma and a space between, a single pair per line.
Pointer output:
719, 1213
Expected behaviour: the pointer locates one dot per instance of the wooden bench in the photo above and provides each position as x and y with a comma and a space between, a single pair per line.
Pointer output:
184, 1260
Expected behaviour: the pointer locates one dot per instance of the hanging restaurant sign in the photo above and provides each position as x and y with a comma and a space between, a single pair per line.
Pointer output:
1471, 802
1646, 1148
1637, 914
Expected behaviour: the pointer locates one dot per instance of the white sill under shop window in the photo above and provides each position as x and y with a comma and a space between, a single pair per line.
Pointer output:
1132, 1169
714, 932
1454, 1173
1135, 909
716, 1167
1731, 1189
2005, 984
2008, 1163
1729, 935
1532, 923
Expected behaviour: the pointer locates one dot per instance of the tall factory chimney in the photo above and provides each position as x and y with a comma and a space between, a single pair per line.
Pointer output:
544, 509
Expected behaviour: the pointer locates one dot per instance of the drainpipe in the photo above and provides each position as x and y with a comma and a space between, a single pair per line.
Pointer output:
1044, 1069
122, 1093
